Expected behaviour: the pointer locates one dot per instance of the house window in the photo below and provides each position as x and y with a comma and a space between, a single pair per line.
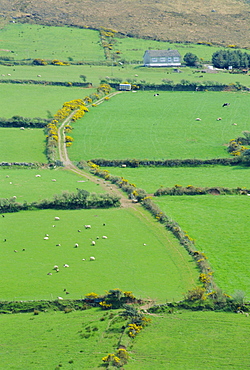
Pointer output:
162, 60
154, 60
176, 59
169, 59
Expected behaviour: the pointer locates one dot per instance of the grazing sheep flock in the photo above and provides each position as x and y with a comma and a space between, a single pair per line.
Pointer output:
58, 267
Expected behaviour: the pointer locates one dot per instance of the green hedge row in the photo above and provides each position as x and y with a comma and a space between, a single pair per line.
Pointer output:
51, 83
66, 200
192, 190
185, 86
19, 121
166, 162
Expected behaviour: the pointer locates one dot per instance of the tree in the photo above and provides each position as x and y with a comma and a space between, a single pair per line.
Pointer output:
191, 59
235, 58
83, 77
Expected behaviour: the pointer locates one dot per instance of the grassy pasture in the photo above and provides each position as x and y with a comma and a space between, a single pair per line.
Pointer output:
220, 227
24, 41
208, 340
122, 261
137, 73
151, 178
27, 187
30, 41
36, 101
22, 145
193, 340
139, 125
53, 338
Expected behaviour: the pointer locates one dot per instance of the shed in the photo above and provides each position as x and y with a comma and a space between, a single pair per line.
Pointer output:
125, 87
162, 58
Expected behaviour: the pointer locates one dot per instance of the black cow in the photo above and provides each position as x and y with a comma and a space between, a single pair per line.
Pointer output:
225, 104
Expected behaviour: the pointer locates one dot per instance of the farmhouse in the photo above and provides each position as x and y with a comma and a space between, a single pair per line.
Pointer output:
162, 58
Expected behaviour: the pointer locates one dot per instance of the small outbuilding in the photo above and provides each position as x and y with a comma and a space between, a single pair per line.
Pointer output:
125, 87
162, 58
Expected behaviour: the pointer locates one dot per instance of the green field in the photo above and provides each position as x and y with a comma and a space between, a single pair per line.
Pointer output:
219, 225
52, 339
139, 125
152, 178
36, 101
27, 187
24, 41
193, 340
131, 72
22, 145
122, 261
207, 340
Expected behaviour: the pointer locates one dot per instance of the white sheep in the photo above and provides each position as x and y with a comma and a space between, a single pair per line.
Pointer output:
65, 265
57, 218
105, 237
38, 175
10, 183
144, 244
7, 176
39, 76
46, 234
76, 245
53, 180
197, 119
55, 267
124, 165
83, 259
8, 74
92, 258
219, 119
14, 197
21, 128
87, 226
46, 238
60, 298
93, 242
58, 245
234, 124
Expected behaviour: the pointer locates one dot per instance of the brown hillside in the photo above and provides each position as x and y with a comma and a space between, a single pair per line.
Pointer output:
217, 21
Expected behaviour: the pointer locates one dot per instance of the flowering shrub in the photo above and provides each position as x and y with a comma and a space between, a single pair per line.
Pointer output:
51, 129
57, 62
118, 359
236, 147
105, 305
134, 330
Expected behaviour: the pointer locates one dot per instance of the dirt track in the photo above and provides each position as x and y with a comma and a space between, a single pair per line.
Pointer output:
64, 158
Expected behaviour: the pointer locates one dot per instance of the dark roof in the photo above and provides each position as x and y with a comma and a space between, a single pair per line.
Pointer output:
163, 53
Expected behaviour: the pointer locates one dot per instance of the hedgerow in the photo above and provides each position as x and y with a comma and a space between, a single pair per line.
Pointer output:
166, 162
193, 190
79, 200
19, 121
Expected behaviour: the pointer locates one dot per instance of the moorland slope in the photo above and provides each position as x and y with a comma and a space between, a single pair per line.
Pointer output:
222, 22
